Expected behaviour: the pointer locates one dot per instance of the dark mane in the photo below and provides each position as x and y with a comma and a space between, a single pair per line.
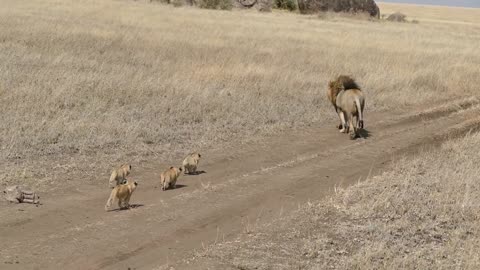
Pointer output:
348, 82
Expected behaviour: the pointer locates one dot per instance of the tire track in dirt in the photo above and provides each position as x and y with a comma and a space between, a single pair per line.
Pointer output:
254, 183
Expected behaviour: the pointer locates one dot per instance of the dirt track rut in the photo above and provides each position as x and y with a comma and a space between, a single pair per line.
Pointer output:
240, 189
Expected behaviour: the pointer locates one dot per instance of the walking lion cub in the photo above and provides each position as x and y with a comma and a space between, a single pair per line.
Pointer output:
190, 163
168, 178
122, 193
119, 175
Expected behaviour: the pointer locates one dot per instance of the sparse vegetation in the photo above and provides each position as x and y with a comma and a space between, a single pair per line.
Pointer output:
163, 1
177, 3
286, 4
423, 214
82, 90
344, 6
397, 17
265, 5
435, 14
216, 4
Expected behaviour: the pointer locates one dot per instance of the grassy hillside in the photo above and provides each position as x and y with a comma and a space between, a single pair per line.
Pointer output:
85, 85
422, 214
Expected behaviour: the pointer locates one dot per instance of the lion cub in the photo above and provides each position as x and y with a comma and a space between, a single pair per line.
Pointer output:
122, 192
169, 177
190, 163
119, 175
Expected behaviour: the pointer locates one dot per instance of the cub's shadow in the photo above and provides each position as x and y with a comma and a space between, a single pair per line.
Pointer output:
132, 206
196, 173
177, 186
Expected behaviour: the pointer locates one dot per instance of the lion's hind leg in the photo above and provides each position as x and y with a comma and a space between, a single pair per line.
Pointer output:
120, 203
127, 201
174, 184
166, 183
352, 129
341, 114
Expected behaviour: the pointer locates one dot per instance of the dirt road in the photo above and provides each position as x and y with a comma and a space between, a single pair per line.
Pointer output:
239, 190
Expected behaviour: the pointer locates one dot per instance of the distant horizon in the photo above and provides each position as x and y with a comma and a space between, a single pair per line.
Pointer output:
452, 3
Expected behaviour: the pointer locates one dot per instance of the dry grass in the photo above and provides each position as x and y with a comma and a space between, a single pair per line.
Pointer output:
423, 214
85, 85
434, 14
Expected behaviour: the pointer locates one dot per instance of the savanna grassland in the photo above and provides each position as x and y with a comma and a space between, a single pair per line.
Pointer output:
433, 14
85, 85
423, 213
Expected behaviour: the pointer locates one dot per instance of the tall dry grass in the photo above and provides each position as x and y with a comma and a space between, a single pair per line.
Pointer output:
87, 84
423, 214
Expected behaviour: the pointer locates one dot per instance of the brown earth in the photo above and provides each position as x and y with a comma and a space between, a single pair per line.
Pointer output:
240, 188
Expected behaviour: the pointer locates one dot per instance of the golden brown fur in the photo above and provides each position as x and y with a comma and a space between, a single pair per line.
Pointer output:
190, 163
343, 82
168, 179
122, 193
350, 104
119, 175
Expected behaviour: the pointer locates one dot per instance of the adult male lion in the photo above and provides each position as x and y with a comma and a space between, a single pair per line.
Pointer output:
349, 103
334, 88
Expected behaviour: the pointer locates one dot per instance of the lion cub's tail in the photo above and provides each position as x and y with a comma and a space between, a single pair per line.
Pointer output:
113, 179
162, 180
113, 194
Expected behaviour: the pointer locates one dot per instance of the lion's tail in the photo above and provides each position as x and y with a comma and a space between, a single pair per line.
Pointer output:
162, 181
113, 194
113, 179
360, 112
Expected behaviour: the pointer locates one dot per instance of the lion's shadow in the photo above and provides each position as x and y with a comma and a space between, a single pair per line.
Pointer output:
196, 173
364, 133
177, 186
